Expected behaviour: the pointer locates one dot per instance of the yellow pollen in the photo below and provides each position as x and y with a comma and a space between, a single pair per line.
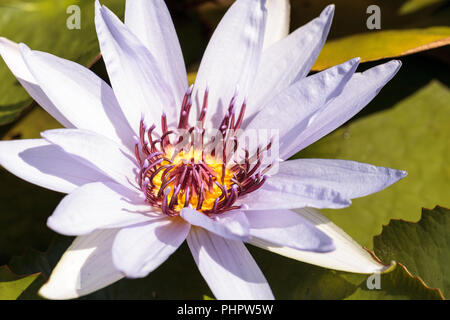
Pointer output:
183, 158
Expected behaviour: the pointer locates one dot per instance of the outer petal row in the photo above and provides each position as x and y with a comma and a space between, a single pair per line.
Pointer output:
228, 267
46, 165
289, 60
231, 59
349, 256
150, 21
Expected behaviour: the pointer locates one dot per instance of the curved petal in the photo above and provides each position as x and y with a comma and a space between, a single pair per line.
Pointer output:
140, 249
358, 92
134, 74
349, 256
150, 21
289, 112
80, 95
85, 267
97, 152
231, 59
284, 192
289, 60
46, 165
287, 229
10, 52
227, 266
99, 206
350, 178
278, 21
233, 226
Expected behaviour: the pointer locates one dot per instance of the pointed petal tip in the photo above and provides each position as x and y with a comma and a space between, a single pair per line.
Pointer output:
329, 10
60, 226
402, 174
51, 292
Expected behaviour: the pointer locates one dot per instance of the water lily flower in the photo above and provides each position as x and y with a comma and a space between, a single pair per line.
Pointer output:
133, 197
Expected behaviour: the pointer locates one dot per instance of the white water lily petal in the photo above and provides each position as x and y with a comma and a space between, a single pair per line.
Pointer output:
150, 21
289, 112
97, 152
101, 205
231, 59
278, 21
358, 92
350, 178
10, 52
349, 256
80, 95
227, 266
135, 77
46, 165
284, 192
289, 60
234, 226
288, 229
140, 249
85, 267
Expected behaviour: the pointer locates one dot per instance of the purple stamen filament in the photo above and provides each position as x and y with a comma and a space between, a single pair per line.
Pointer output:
172, 177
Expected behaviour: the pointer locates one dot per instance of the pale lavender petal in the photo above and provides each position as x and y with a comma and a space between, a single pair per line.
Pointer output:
289, 112
288, 229
98, 152
227, 266
99, 206
135, 77
140, 249
350, 178
278, 21
231, 59
80, 95
232, 226
349, 256
10, 52
284, 192
150, 21
289, 60
85, 267
358, 92
46, 165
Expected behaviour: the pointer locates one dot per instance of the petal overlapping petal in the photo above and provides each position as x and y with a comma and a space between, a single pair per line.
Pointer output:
99, 205
288, 229
98, 152
289, 60
46, 165
85, 267
80, 95
358, 92
233, 226
227, 266
348, 256
150, 21
140, 249
135, 76
231, 59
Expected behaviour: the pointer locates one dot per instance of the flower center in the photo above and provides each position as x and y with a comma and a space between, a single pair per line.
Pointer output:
183, 167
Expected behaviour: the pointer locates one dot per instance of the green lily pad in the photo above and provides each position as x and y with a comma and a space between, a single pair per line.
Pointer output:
424, 247
12, 286
405, 127
378, 45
